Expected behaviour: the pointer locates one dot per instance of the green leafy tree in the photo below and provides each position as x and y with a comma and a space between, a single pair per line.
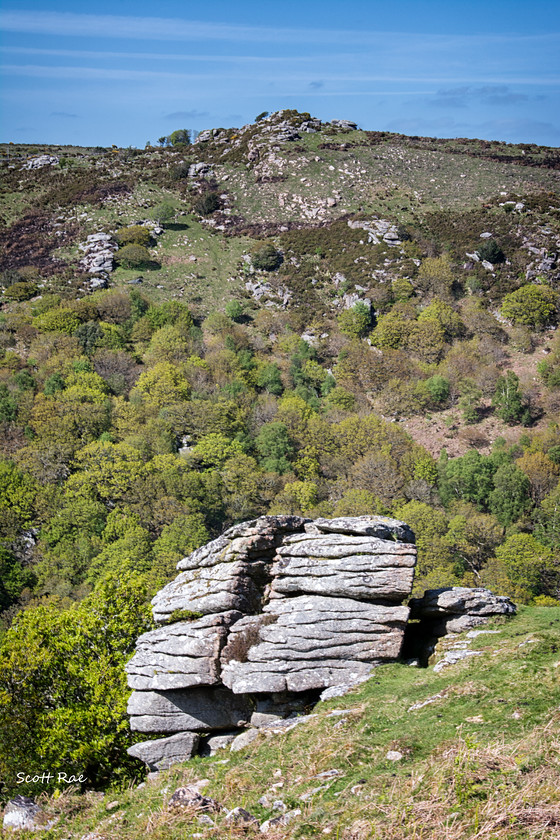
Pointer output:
269, 378
438, 388
177, 540
134, 235
491, 251
508, 400
163, 213
531, 568
535, 306
469, 478
469, 402
274, 448
355, 322
510, 498
63, 686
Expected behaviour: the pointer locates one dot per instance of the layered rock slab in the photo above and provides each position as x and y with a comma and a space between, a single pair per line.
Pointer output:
288, 607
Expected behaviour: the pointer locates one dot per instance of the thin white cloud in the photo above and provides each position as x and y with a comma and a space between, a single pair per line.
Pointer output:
68, 72
177, 29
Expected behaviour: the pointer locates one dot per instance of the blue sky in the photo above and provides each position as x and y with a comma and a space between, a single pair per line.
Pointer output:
127, 72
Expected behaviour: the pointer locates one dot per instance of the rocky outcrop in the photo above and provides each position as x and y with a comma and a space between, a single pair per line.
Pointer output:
458, 608
98, 249
40, 161
452, 610
260, 621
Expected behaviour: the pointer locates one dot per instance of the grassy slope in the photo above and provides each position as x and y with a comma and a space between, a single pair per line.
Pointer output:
482, 761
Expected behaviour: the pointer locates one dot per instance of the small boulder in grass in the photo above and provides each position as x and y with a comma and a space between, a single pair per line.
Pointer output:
23, 813
189, 797
240, 817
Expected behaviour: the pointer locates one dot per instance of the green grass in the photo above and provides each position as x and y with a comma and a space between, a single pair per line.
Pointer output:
481, 761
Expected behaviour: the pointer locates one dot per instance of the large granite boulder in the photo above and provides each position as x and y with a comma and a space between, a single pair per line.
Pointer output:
261, 620
458, 608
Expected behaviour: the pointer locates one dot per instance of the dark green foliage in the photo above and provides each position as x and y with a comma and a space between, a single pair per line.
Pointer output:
510, 497
8, 405
133, 256
274, 447
438, 388
13, 578
180, 137
508, 400
491, 251
261, 116
89, 335
270, 379
163, 213
22, 290
470, 478
207, 204
265, 257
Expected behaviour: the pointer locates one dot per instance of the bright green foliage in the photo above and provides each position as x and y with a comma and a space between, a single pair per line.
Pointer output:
58, 320
180, 137
510, 497
355, 322
164, 213
356, 502
134, 235
435, 276
297, 497
274, 448
391, 331
162, 385
402, 289
17, 499
126, 547
426, 469
106, 470
446, 317
531, 568
234, 310
63, 686
508, 400
177, 540
213, 450
532, 305
133, 256
438, 388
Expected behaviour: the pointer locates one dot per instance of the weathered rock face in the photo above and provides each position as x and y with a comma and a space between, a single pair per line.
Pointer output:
289, 608
453, 609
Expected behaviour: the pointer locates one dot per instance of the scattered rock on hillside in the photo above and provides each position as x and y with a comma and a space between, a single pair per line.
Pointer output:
42, 160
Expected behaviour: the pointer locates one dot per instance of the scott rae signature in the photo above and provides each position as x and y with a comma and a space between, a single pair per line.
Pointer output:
46, 777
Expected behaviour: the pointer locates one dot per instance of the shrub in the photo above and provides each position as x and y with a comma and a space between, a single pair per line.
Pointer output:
163, 213
491, 251
22, 290
134, 235
133, 256
207, 203
265, 257
234, 309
